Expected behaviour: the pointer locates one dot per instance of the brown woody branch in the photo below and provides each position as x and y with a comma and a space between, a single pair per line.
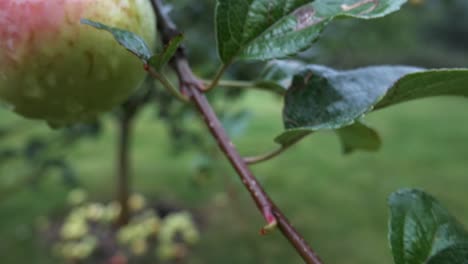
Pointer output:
191, 86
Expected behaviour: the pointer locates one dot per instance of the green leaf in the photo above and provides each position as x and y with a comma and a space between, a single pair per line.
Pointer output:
236, 123
265, 29
422, 231
427, 84
131, 41
292, 136
354, 137
322, 98
456, 254
358, 136
160, 60
278, 74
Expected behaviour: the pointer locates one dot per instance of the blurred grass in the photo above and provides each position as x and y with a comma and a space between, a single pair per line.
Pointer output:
338, 202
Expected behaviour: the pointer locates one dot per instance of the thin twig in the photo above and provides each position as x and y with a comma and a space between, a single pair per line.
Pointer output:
192, 86
272, 154
231, 83
245, 85
166, 83
264, 157
218, 76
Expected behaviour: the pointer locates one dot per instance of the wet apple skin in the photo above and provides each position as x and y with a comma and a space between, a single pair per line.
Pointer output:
54, 68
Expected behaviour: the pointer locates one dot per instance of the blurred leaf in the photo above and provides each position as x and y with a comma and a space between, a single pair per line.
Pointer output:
132, 42
422, 231
67, 173
3, 132
236, 123
35, 149
7, 154
79, 131
264, 29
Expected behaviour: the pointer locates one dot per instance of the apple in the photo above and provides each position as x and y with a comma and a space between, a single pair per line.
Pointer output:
54, 68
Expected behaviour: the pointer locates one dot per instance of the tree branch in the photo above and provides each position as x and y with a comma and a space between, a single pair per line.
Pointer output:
192, 86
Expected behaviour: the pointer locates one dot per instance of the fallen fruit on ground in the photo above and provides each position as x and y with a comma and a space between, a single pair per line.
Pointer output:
56, 69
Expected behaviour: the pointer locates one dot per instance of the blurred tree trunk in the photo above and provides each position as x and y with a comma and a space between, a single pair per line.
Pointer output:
123, 167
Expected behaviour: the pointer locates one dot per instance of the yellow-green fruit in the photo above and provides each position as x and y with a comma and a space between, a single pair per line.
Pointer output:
54, 68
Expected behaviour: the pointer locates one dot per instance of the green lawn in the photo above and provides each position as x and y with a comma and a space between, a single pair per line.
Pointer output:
338, 202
